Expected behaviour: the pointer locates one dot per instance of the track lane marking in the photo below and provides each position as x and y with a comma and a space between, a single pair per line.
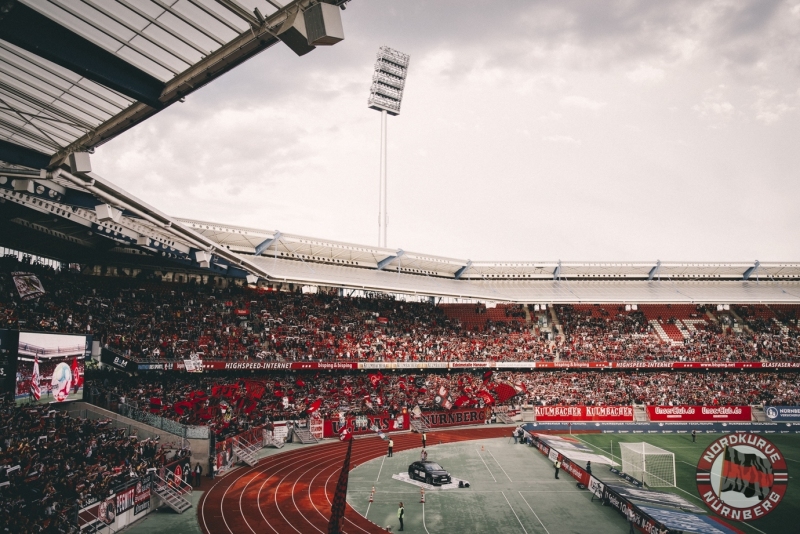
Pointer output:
534, 513
515, 513
484, 463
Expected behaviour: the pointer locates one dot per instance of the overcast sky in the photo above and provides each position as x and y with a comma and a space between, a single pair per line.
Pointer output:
572, 130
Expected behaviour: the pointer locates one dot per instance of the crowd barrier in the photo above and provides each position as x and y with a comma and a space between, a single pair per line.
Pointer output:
162, 423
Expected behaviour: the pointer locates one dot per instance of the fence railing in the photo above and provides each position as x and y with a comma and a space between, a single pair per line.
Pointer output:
162, 423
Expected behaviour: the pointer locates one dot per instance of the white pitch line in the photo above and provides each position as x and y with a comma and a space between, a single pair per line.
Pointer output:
515, 513
381, 469
423, 519
367, 512
498, 463
534, 513
484, 463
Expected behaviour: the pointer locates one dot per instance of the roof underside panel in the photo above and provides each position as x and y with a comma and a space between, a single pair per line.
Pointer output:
544, 291
75, 73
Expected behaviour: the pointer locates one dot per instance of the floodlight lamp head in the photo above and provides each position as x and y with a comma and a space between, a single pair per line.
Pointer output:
388, 81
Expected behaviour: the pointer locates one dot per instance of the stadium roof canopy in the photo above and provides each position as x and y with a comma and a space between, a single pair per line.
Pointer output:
76, 73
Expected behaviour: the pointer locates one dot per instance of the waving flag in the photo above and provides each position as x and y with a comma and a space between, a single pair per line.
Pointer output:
340, 496
748, 474
314, 406
36, 391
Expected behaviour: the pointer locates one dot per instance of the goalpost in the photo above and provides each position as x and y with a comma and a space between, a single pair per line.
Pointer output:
652, 465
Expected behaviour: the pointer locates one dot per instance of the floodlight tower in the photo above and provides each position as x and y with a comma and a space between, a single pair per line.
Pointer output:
385, 95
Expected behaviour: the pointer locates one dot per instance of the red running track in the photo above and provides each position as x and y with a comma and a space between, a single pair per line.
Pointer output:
292, 491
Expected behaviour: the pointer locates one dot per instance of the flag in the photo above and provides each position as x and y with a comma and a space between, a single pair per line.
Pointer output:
748, 474
379, 432
340, 496
314, 406
36, 391
28, 285
345, 434
504, 390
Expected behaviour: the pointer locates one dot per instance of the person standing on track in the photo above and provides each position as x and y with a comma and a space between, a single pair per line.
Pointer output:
401, 512
424, 439
391, 448
557, 465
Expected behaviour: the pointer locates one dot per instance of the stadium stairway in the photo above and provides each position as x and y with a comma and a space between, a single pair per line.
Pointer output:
504, 418
419, 425
758, 414
303, 435
640, 414
247, 452
173, 498
271, 441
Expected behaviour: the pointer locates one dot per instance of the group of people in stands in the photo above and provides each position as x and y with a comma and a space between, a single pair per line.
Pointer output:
150, 321
230, 403
52, 464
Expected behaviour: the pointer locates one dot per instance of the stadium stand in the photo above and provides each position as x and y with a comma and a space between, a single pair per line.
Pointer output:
149, 320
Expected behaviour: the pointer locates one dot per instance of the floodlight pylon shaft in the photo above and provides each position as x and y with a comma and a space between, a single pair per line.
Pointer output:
383, 214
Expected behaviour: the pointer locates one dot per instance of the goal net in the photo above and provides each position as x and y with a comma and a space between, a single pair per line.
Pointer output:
652, 465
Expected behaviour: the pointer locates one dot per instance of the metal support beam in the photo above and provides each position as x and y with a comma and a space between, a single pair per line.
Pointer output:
264, 245
461, 271
32, 31
654, 270
19, 155
751, 271
557, 271
387, 261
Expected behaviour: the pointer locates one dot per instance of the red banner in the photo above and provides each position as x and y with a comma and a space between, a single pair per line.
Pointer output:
246, 365
364, 424
295, 366
699, 413
584, 413
471, 416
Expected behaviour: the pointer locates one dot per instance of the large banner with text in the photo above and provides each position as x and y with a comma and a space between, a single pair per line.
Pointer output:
584, 413
699, 413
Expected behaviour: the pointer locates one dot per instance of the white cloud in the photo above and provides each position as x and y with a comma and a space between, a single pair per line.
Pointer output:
581, 102
563, 139
645, 74
715, 104
770, 107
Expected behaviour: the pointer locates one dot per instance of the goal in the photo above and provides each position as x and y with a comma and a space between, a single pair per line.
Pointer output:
652, 465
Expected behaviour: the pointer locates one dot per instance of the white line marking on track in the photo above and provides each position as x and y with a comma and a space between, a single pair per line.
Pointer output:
498, 463
534, 513
515, 513
423, 519
484, 463
381, 469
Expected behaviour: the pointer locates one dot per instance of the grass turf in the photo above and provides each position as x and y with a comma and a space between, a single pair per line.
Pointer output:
513, 490
785, 518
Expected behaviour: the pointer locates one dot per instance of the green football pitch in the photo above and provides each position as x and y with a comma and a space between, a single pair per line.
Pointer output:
513, 489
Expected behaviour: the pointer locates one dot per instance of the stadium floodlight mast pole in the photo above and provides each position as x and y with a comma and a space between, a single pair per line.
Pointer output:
385, 95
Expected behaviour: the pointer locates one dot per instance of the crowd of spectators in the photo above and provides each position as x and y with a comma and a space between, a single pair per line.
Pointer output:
51, 464
150, 320
231, 403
